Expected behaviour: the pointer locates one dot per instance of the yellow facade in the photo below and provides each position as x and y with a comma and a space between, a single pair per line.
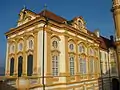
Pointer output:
71, 53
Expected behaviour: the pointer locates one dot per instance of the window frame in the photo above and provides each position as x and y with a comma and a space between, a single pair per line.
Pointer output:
72, 66
20, 46
55, 44
55, 65
91, 65
81, 48
83, 65
12, 48
30, 44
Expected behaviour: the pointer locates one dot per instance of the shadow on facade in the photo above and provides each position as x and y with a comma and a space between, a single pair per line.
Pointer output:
108, 81
5, 86
115, 84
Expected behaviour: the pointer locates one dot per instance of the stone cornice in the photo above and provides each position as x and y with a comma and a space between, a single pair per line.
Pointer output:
39, 20
24, 26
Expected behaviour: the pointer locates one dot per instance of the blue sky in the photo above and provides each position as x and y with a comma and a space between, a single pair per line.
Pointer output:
95, 12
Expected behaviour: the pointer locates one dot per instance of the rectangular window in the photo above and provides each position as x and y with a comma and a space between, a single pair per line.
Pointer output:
91, 65
71, 65
106, 68
102, 68
82, 66
96, 66
55, 65
113, 68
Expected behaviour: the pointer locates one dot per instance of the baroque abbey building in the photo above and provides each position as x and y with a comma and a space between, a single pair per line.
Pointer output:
48, 52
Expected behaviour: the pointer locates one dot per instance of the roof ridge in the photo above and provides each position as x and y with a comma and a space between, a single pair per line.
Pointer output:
54, 13
52, 16
30, 11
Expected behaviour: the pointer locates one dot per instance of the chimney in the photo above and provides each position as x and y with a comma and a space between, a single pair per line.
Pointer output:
97, 33
112, 38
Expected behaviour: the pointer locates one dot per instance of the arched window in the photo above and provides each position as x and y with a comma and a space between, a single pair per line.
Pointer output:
29, 65
55, 44
71, 65
20, 62
55, 65
71, 47
20, 47
30, 44
12, 48
91, 52
83, 65
55, 55
81, 48
11, 66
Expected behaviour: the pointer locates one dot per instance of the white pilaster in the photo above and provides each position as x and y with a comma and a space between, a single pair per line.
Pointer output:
6, 58
62, 58
40, 53
39, 38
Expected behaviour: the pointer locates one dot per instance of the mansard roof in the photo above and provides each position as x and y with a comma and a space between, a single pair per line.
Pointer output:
52, 16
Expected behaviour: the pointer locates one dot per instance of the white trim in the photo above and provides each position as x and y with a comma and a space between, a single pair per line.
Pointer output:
41, 25
45, 53
30, 29
20, 33
71, 33
81, 37
39, 53
12, 36
6, 58
57, 30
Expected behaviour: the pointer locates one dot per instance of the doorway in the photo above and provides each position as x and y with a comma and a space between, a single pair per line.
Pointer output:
20, 62
115, 84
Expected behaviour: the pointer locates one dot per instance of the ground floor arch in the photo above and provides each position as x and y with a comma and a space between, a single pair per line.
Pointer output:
20, 66
29, 65
115, 84
11, 66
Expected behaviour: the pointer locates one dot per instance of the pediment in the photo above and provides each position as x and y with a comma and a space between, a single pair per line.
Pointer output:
25, 16
79, 23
